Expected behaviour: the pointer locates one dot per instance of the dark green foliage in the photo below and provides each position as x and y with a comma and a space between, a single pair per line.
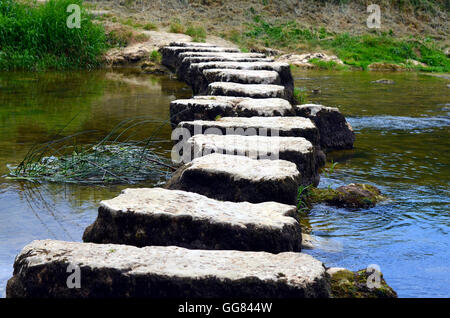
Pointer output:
36, 37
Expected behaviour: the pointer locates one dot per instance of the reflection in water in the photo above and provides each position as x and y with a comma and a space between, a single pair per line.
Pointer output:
402, 146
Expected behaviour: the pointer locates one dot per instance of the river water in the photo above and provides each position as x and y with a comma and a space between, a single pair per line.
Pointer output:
402, 146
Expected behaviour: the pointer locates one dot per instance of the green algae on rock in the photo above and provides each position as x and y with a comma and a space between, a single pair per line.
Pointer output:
353, 196
348, 284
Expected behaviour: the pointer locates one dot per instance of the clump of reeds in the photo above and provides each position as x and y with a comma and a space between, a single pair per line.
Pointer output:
114, 159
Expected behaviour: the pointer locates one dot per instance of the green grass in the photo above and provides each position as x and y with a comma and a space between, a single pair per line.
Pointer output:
119, 38
150, 26
197, 33
357, 51
155, 56
328, 65
35, 37
176, 27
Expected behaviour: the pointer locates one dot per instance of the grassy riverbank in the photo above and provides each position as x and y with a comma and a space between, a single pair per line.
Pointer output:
355, 50
36, 37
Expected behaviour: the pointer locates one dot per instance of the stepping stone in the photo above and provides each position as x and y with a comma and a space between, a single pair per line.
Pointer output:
238, 178
297, 150
145, 217
218, 53
210, 107
200, 86
196, 44
265, 126
122, 271
248, 90
185, 64
171, 55
335, 132
195, 73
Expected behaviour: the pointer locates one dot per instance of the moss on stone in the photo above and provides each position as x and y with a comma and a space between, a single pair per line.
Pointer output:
348, 284
354, 196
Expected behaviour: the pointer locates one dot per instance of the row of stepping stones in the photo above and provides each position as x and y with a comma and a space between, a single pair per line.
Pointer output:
226, 224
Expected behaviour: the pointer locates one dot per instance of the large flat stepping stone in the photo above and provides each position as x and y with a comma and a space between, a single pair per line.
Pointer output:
248, 90
294, 149
122, 271
218, 53
239, 178
186, 62
200, 86
171, 55
145, 217
266, 126
209, 107
335, 132
242, 76
195, 77
190, 44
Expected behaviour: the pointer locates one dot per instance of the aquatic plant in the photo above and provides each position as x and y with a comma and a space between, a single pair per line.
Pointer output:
330, 169
302, 204
116, 158
300, 96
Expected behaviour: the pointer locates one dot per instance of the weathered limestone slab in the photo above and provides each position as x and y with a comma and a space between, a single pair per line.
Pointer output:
119, 271
266, 126
172, 55
145, 217
239, 178
248, 90
335, 132
242, 76
234, 53
194, 75
209, 107
198, 44
200, 84
294, 149
184, 65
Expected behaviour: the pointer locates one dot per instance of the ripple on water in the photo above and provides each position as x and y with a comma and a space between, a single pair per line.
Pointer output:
392, 123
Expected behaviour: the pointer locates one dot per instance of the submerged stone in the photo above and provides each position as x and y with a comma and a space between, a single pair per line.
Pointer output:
239, 178
294, 149
122, 271
335, 132
210, 107
359, 284
144, 217
352, 196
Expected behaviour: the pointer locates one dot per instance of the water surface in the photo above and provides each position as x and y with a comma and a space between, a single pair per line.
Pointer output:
402, 146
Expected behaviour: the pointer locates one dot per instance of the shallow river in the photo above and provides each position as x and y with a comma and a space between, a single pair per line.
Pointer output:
402, 146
